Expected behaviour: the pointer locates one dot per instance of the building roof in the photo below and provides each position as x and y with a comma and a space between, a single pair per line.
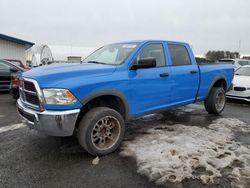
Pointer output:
27, 44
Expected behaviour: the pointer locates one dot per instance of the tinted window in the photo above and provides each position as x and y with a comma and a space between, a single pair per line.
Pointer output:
227, 60
154, 51
179, 55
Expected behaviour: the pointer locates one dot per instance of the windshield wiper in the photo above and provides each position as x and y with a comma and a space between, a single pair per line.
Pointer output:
97, 62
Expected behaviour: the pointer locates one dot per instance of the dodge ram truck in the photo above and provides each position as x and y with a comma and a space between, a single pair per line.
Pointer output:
94, 98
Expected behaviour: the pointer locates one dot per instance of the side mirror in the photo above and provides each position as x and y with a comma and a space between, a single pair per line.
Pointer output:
144, 63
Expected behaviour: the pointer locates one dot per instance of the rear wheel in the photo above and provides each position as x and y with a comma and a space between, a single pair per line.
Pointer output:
101, 131
216, 101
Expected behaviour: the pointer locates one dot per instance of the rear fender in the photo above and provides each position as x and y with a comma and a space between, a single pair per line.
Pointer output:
216, 79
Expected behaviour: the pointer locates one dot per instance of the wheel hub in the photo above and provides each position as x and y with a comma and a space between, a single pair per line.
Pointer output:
106, 132
220, 101
103, 131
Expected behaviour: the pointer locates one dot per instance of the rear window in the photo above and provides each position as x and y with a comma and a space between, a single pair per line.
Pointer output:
227, 61
179, 55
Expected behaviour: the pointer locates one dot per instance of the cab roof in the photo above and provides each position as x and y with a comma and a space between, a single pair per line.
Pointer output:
146, 41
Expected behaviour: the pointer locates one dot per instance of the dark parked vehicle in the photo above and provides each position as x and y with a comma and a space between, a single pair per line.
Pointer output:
18, 63
6, 71
14, 86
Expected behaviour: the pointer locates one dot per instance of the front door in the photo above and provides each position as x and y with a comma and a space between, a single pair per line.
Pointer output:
151, 87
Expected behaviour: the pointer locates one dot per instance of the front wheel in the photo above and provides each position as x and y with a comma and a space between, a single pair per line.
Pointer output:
101, 131
216, 101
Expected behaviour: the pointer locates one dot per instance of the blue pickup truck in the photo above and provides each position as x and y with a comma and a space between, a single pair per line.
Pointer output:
116, 83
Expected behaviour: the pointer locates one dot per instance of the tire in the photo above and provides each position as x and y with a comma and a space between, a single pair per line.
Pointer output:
216, 101
101, 131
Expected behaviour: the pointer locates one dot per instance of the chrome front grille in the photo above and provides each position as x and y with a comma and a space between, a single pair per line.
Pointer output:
30, 94
31, 98
29, 86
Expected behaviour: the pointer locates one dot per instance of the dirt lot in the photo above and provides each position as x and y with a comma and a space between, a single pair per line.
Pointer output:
30, 159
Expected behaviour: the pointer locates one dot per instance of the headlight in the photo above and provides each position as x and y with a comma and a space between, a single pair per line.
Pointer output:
59, 97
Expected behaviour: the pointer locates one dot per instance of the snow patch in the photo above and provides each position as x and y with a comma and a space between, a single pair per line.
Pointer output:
2, 116
96, 161
173, 153
11, 127
151, 117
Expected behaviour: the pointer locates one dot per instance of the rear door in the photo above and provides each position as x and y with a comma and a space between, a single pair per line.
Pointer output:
4, 76
184, 74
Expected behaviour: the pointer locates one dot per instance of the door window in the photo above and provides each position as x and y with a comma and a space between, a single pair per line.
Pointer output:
153, 51
179, 55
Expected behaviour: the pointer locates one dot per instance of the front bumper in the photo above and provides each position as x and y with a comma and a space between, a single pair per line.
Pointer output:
54, 123
241, 95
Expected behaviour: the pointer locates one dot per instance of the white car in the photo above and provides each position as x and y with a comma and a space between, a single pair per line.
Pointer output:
237, 62
241, 84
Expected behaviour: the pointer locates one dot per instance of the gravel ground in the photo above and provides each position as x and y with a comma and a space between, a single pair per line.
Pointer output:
31, 159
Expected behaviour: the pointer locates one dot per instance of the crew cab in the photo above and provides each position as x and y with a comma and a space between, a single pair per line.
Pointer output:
116, 83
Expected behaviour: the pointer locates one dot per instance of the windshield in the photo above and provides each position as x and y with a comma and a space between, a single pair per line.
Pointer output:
242, 63
243, 71
113, 54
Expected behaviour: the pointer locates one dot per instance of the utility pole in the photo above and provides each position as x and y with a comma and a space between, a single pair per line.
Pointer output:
239, 47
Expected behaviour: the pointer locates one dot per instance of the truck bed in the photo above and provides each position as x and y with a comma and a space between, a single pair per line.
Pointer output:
209, 72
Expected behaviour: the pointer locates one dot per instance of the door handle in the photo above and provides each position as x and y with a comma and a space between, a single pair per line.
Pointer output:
164, 74
193, 71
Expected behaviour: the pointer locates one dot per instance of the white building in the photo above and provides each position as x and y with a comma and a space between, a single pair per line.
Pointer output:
67, 53
13, 48
44, 54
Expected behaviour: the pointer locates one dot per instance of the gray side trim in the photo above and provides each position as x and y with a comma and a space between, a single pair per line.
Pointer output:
104, 92
217, 78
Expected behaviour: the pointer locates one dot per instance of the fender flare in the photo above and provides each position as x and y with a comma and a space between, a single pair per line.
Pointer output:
103, 92
217, 78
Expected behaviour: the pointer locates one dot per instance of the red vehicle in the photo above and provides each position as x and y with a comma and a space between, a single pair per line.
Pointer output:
18, 63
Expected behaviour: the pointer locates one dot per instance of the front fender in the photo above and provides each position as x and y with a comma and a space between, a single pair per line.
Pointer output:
106, 92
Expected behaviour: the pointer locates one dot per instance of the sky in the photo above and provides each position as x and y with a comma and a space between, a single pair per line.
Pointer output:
205, 25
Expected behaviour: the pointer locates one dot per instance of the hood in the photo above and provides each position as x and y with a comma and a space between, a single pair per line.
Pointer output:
56, 75
241, 81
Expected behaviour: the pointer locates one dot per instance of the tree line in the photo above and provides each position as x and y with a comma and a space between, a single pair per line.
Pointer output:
212, 56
